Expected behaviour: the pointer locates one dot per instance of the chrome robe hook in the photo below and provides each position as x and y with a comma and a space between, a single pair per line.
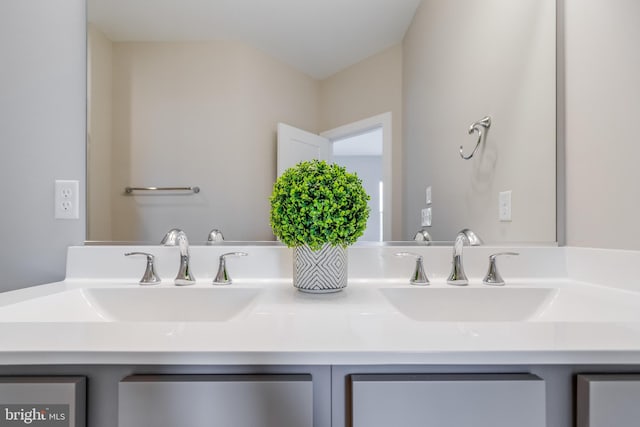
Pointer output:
479, 127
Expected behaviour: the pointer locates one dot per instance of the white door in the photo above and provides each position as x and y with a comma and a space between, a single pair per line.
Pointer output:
296, 145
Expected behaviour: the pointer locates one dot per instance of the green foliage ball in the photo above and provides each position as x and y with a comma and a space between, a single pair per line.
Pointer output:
314, 203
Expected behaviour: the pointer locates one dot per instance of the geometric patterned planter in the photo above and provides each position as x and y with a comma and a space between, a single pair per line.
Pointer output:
320, 271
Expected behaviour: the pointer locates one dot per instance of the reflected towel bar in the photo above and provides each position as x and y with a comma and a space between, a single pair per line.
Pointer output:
130, 190
480, 127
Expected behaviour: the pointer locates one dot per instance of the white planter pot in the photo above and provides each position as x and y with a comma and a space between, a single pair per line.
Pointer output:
320, 271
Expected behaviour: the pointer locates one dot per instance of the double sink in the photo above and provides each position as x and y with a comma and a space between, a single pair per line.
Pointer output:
561, 301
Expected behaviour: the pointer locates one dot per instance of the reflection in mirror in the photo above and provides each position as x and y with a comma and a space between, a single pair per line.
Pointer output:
182, 96
362, 154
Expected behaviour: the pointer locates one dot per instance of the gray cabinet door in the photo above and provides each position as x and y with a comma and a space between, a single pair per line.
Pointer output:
39, 400
442, 400
608, 400
215, 400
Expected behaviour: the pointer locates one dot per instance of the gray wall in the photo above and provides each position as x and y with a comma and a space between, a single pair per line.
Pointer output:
602, 115
42, 134
186, 108
462, 60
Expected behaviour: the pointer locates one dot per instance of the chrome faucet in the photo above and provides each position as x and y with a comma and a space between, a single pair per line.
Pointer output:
493, 277
215, 236
419, 277
472, 238
422, 235
457, 276
222, 277
150, 277
177, 237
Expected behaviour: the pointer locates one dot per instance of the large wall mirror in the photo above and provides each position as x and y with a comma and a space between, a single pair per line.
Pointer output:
189, 93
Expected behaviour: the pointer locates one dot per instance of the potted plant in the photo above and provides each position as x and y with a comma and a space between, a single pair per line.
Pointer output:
319, 209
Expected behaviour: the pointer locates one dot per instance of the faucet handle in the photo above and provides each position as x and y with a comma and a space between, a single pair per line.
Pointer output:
419, 277
150, 277
493, 277
222, 278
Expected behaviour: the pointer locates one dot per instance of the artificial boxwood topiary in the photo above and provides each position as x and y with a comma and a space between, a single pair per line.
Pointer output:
314, 203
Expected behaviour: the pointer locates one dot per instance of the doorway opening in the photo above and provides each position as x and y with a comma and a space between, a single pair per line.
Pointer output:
353, 145
364, 138
362, 154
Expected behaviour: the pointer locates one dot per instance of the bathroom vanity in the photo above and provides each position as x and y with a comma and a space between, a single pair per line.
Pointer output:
380, 352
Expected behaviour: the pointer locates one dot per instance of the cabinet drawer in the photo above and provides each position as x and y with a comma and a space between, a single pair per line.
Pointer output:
215, 400
443, 400
608, 400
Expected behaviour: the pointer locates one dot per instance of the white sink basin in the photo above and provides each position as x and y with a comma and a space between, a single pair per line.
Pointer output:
133, 305
462, 304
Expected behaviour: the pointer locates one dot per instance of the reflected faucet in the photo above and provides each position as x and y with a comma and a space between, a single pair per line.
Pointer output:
422, 235
177, 237
472, 238
215, 236
457, 276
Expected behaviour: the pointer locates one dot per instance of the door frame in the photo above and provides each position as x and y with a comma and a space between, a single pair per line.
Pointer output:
361, 126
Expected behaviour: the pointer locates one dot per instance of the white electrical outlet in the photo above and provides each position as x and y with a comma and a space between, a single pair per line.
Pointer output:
426, 217
504, 206
67, 199
428, 195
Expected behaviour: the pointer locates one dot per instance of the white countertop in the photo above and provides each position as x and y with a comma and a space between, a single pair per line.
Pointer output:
578, 322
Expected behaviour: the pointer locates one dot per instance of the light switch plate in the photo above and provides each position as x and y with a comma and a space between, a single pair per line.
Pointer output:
504, 206
426, 217
428, 195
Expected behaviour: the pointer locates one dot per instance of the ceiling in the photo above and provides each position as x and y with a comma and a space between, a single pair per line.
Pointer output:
319, 37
